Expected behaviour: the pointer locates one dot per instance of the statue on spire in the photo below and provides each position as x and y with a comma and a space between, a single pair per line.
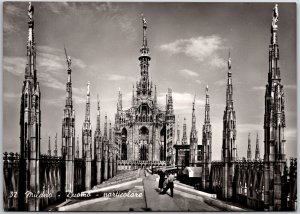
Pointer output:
68, 59
144, 21
30, 11
229, 61
275, 16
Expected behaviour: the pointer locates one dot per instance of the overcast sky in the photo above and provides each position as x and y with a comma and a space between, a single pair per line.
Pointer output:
188, 43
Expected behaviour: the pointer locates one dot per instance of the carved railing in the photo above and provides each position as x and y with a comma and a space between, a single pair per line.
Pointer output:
248, 183
140, 163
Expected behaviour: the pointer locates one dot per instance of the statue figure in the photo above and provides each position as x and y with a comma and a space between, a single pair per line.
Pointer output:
275, 16
30, 11
144, 20
68, 59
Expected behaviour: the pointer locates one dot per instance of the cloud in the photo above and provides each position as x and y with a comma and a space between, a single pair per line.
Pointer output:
198, 82
249, 127
14, 65
221, 82
182, 102
50, 64
202, 49
258, 88
12, 9
188, 73
117, 77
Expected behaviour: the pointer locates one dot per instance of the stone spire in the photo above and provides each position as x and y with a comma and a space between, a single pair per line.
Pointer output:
229, 92
193, 129
133, 98
98, 150
88, 104
49, 147
30, 70
77, 148
274, 120
207, 107
55, 146
69, 102
110, 131
170, 110
155, 96
98, 115
274, 125
184, 136
178, 132
229, 121
193, 139
30, 125
249, 154
105, 128
257, 152
144, 86
206, 142
229, 148
87, 141
119, 104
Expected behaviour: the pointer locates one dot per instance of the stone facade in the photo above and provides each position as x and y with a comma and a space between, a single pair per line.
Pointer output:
145, 131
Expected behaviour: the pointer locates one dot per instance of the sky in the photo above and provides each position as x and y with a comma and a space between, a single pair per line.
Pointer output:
189, 45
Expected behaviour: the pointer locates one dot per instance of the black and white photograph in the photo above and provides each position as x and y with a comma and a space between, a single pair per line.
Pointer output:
149, 106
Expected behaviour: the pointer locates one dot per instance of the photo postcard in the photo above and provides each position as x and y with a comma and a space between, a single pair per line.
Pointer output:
149, 106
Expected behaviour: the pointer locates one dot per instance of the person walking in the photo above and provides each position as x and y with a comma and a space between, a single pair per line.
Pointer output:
170, 184
161, 180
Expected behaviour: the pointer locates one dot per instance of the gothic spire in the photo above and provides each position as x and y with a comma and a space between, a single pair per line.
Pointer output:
207, 107
98, 114
184, 136
110, 131
193, 129
249, 154
119, 104
105, 127
144, 49
77, 148
144, 87
69, 81
49, 147
87, 110
257, 153
169, 102
229, 98
133, 98
30, 71
274, 119
178, 132
229, 148
55, 146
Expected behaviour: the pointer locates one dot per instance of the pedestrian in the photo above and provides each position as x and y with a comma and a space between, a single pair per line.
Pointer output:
170, 184
161, 180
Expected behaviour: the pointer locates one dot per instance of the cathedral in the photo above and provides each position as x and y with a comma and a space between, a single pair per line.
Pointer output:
145, 132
